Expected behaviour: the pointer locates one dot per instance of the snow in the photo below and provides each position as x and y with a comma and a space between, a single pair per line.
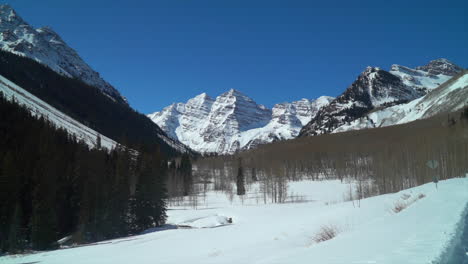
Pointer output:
283, 233
205, 222
233, 121
39, 108
418, 78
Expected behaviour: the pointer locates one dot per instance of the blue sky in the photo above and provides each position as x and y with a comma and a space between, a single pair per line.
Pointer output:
159, 52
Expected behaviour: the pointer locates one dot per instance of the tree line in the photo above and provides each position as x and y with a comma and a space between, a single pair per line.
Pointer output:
54, 186
379, 160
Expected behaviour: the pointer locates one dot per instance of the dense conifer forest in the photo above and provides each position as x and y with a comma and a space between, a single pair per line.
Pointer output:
53, 186
82, 102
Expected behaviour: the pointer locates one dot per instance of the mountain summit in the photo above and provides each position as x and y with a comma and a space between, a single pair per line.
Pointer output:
233, 121
375, 89
440, 66
47, 47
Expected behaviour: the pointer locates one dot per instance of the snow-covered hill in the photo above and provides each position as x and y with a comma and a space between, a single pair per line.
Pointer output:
47, 47
377, 89
284, 233
233, 121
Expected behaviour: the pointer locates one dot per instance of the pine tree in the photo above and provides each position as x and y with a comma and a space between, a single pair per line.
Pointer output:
240, 179
98, 142
186, 171
149, 202
254, 175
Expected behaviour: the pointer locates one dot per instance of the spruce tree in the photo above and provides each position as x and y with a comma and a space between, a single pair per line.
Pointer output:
186, 171
240, 179
150, 194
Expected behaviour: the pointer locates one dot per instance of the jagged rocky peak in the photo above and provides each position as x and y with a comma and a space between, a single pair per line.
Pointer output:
235, 110
441, 66
374, 87
234, 121
285, 114
8, 14
201, 100
45, 46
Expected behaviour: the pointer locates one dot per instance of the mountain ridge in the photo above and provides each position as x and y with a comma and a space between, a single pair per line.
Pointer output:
376, 89
48, 48
233, 121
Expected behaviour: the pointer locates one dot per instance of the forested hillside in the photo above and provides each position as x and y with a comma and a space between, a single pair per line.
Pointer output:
52, 186
84, 103
381, 160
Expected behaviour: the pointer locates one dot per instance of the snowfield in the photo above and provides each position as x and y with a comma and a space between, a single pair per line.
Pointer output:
284, 233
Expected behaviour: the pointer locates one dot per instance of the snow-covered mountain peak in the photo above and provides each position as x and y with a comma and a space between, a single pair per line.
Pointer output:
377, 89
233, 95
370, 69
234, 92
202, 96
8, 14
200, 100
440, 66
233, 121
45, 46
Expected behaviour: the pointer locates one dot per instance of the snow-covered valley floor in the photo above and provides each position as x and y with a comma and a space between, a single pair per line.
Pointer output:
284, 233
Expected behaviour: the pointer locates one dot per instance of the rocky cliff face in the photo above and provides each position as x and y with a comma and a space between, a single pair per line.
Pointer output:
47, 47
233, 121
377, 89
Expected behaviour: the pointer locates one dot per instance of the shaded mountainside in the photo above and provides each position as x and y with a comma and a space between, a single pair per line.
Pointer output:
86, 104
47, 47
377, 89
233, 121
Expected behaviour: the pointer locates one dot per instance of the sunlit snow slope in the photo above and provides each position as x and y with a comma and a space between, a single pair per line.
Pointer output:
41, 108
283, 233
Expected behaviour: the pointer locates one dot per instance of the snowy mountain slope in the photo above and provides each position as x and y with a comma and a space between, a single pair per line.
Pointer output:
449, 97
45, 46
377, 89
283, 233
233, 121
40, 108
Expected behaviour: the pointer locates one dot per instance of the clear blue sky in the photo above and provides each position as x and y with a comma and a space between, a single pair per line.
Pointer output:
159, 52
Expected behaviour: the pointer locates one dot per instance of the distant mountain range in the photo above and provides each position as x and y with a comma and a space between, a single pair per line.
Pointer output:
232, 121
